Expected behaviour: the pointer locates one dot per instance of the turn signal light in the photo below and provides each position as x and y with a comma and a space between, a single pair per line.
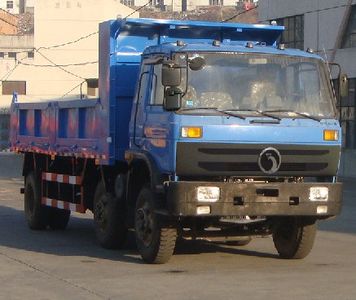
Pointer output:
331, 135
191, 132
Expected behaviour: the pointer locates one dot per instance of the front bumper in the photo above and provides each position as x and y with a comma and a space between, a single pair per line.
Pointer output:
255, 199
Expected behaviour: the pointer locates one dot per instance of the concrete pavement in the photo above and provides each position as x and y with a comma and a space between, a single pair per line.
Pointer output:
70, 264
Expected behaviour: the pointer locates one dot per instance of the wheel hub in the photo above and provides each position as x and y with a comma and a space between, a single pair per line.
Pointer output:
144, 225
100, 214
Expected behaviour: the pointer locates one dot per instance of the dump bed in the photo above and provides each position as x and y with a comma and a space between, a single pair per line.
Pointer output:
99, 128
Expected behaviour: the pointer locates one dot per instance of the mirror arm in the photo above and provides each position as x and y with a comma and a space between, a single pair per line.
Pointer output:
334, 64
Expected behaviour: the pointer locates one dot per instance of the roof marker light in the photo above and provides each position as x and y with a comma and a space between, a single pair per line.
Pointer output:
281, 47
249, 45
180, 43
216, 43
310, 50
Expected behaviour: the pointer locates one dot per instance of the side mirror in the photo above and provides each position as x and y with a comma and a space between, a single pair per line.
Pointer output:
343, 85
171, 76
172, 99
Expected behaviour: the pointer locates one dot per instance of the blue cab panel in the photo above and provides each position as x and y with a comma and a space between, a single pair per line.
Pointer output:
100, 128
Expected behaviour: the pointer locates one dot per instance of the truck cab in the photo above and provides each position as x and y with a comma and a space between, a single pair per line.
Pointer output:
227, 103
241, 136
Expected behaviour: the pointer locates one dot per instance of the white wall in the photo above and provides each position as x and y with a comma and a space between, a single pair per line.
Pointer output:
15, 9
57, 22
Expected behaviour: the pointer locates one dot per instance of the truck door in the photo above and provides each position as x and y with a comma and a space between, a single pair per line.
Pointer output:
157, 123
143, 93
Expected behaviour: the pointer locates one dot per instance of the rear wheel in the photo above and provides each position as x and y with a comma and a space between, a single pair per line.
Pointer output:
294, 238
109, 219
155, 242
37, 215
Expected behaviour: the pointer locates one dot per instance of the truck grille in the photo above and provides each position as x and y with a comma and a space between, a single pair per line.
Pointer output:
206, 159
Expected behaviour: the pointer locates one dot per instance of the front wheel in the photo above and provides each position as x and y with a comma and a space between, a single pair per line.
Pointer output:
294, 238
155, 242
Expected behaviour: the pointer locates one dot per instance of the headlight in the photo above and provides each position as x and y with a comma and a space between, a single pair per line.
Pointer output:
203, 210
191, 132
208, 193
331, 135
318, 194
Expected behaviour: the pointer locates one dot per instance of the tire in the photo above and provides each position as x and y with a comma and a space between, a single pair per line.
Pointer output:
109, 219
58, 218
36, 214
155, 243
294, 238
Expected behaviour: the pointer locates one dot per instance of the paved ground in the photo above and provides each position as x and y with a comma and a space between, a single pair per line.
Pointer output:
70, 265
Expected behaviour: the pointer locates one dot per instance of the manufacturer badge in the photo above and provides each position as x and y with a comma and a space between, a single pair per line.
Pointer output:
269, 160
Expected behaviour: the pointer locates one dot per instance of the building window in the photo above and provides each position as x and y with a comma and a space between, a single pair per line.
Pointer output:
347, 116
2, 54
349, 39
9, 4
128, 2
216, 2
293, 35
11, 55
30, 54
157, 2
9, 87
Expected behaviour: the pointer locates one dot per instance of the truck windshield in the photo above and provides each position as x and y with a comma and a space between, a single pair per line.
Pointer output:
254, 82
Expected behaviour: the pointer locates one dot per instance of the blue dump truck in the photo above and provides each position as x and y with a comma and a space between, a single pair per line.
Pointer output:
201, 130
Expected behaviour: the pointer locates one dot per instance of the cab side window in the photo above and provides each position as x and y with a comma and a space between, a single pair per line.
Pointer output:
157, 91
143, 84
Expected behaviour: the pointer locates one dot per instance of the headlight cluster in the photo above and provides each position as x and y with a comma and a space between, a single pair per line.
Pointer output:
331, 135
206, 194
191, 132
318, 194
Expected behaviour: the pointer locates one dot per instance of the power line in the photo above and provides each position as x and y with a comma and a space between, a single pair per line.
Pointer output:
8, 74
93, 33
58, 65
138, 9
238, 14
53, 64
7, 22
78, 85
70, 42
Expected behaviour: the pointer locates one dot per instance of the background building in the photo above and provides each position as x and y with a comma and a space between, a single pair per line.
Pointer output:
49, 54
186, 5
45, 65
328, 27
17, 6
11, 6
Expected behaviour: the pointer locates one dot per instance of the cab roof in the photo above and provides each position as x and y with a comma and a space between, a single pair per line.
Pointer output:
237, 47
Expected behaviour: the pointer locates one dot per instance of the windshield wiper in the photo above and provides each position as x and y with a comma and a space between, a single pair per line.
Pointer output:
305, 115
262, 113
225, 112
